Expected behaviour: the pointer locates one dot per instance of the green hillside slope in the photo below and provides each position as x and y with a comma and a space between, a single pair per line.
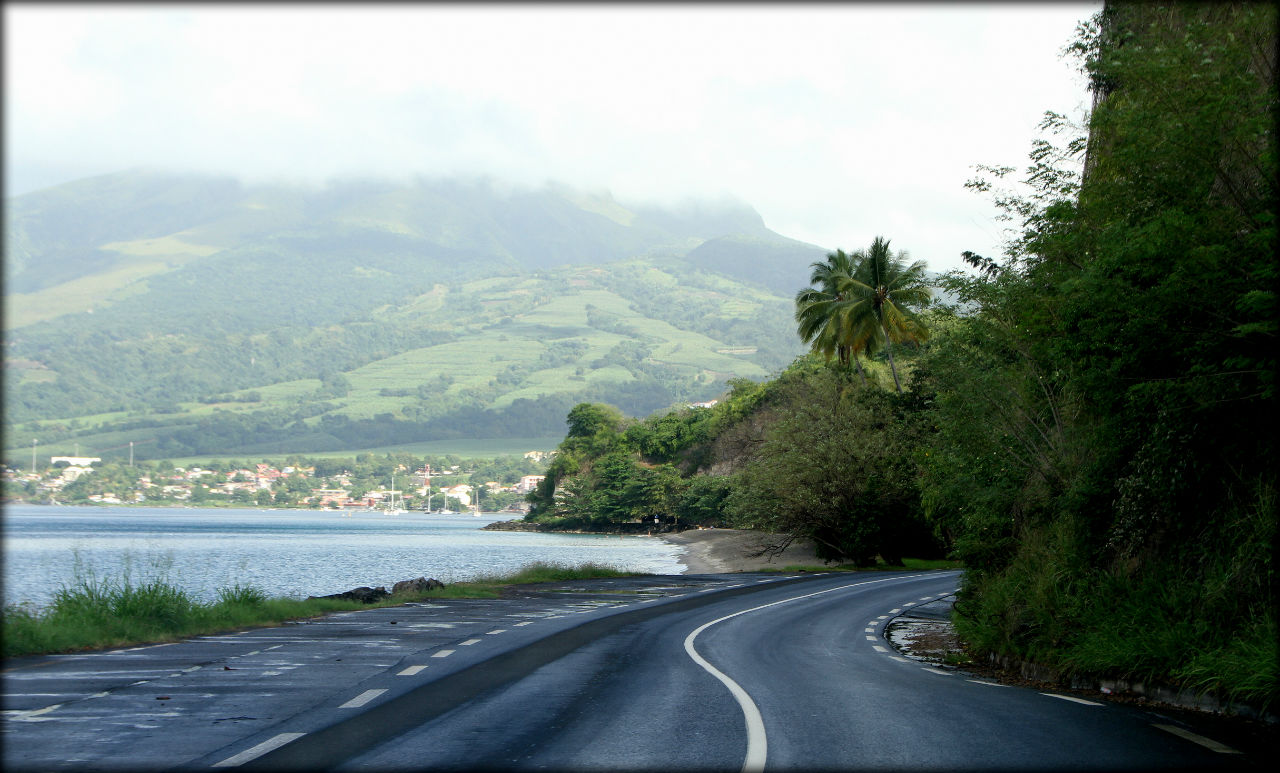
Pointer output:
232, 319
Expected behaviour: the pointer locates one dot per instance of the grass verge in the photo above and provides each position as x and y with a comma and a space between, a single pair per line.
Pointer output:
97, 614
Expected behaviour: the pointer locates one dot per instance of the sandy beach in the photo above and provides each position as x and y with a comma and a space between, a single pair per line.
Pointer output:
718, 551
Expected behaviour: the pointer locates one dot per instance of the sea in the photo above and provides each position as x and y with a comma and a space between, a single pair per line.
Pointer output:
289, 553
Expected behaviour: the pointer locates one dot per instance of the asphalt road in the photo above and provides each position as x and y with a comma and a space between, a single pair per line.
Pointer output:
711, 672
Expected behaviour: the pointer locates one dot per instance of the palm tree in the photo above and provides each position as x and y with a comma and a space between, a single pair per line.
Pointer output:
862, 301
823, 313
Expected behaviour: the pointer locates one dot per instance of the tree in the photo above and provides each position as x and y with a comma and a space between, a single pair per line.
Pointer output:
863, 301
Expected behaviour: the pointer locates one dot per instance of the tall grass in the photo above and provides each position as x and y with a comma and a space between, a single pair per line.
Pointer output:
97, 613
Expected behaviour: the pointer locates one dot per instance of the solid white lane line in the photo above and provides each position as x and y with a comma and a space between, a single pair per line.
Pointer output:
442, 654
411, 670
362, 699
255, 652
878, 648
1071, 698
468, 642
757, 742
1207, 743
257, 751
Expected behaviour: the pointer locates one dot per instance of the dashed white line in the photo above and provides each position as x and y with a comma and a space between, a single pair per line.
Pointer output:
275, 646
442, 654
362, 699
1071, 698
878, 648
27, 715
1207, 743
869, 630
257, 751
496, 631
936, 671
891, 612
900, 659
926, 598
872, 638
988, 684
526, 622
411, 670
468, 642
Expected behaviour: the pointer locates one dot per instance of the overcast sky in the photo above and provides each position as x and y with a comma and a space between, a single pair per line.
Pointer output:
837, 122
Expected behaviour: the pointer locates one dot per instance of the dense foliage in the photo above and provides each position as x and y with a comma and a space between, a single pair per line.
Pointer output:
1105, 461
1090, 427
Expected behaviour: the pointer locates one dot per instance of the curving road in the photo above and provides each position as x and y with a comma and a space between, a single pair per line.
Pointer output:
714, 672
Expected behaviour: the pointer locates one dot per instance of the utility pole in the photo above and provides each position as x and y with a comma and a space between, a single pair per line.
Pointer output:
33, 455
130, 453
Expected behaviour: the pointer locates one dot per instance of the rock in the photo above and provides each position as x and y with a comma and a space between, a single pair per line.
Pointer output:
419, 585
363, 594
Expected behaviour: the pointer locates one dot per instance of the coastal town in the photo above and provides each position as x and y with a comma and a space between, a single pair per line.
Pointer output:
317, 484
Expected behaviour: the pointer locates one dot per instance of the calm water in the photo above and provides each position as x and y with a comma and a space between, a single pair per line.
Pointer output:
285, 552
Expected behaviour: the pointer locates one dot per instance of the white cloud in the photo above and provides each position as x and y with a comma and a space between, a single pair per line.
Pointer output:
837, 122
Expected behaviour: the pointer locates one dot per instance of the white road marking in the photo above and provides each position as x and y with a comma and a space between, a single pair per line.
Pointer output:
468, 642
926, 598
647, 601
937, 671
442, 654
526, 622
1071, 698
23, 716
362, 699
496, 631
909, 604
270, 673
757, 741
255, 652
869, 630
411, 670
988, 684
891, 612
275, 646
1207, 743
878, 648
259, 750
872, 638
735, 585
900, 659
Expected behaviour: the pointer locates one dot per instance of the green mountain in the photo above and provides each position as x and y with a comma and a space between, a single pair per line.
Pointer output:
199, 315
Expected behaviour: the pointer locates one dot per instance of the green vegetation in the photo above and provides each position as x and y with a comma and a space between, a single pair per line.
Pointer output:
1105, 459
366, 315
96, 614
1090, 429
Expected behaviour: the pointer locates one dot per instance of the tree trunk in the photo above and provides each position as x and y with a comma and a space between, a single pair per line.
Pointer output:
888, 348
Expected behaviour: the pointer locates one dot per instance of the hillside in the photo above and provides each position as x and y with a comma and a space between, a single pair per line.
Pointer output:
200, 315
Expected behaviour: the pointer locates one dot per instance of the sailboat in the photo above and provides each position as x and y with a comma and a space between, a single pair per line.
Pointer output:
394, 507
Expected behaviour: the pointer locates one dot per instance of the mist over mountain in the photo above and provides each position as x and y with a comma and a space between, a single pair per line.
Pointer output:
145, 297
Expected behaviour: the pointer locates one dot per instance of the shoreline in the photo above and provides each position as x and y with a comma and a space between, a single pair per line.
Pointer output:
724, 551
